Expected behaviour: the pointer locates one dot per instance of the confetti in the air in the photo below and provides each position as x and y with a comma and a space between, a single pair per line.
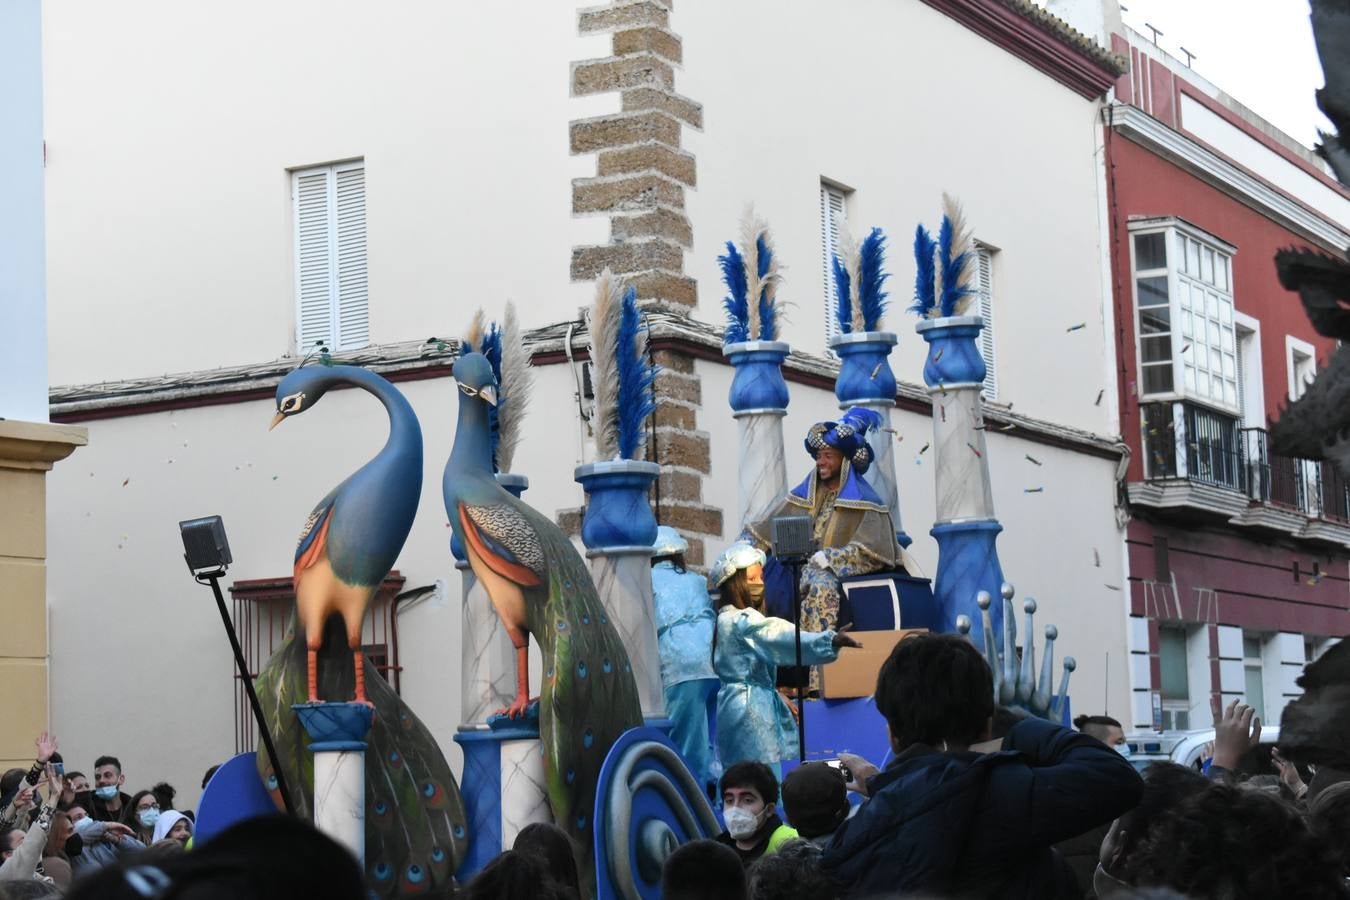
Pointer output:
126, 481
1185, 347
1096, 558
1009, 427
1078, 327
973, 450
1035, 490
1100, 395
924, 449
938, 354
1032, 459
1112, 587
943, 409
875, 370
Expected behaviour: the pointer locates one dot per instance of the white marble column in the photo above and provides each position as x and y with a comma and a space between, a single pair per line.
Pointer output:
623, 578
962, 480
763, 468
881, 476
524, 789
488, 661
340, 798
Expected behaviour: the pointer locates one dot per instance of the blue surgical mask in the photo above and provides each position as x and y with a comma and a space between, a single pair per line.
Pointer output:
83, 825
148, 817
1122, 749
107, 792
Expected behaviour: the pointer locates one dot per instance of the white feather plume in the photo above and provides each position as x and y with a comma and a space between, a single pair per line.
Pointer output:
603, 325
962, 242
517, 377
848, 255
750, 231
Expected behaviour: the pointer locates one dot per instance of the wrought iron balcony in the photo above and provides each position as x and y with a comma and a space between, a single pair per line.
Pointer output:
1187, 444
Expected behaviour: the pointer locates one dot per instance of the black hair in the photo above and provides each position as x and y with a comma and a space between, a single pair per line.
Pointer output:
75, 773
28, 889
207, 777
9, 783
752, 774
676, 559
935, 689
703, 870
1165, 784
1329, 816
108, 761
259, 859
1005, 717
815, 799
515, 875
1080, 722
793, 873
1227, 842
164, 793
551, 844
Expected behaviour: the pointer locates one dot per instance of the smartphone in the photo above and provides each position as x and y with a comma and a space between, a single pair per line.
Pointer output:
842, 769
59, 769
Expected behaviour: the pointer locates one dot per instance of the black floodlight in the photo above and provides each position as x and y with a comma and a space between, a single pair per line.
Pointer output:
792, 539
205, 546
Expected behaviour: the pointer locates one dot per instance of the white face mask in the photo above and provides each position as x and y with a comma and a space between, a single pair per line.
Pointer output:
741, 823
1122, 749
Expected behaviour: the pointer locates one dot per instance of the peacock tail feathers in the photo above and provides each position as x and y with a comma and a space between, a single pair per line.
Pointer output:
603, 323
735, 303
516, 378
589, 695
925, 275
870, 303
637, 376
415, 819
954, 245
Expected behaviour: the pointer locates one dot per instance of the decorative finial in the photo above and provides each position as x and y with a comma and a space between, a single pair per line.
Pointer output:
963, 624
982, 600
1007, 591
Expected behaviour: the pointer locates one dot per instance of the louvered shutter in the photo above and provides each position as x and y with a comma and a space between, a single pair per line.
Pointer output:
352, 296
984, 286
313, 259
831, 221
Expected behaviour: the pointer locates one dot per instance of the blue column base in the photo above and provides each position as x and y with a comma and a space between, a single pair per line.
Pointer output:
335, 726
967, 564
481, 784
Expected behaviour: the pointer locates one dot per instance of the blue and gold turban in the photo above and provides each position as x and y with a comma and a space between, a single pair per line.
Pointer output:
848, 436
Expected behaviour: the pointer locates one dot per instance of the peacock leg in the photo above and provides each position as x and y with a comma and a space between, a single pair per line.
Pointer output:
520, 640
352, 615
312, 667
359, 664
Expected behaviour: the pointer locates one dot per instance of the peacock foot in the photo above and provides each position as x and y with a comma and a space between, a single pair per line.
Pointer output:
517, 708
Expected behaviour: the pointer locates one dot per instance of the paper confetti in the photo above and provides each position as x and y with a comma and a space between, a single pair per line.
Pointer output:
125, 482
875, 370
1035, 490
924, 449
1078, 327
981, 427
1112, 587
1009, 427
1096, 558
942, 387
1032, 459
1185, 347
1100, 395
274, 478
973, 450
938, 355
943, 409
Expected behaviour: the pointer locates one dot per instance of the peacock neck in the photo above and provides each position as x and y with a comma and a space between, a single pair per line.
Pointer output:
472, 449
405, 434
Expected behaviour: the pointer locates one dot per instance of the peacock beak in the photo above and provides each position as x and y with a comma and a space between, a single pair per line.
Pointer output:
276, 420
489, 393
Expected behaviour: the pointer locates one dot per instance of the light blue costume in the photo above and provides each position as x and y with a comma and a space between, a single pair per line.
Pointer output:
684, 633
753, 720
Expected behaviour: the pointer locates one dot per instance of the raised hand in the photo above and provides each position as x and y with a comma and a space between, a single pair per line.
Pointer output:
55, 784
845, 640
1237, 729
46, 746
1288, 773
860, 769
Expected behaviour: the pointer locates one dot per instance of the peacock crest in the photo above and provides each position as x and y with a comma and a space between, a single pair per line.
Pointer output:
1015, 683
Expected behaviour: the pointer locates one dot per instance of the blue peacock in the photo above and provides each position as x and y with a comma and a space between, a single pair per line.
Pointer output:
539, 586
415, 820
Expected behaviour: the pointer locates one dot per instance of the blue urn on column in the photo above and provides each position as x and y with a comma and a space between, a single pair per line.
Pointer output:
618, 509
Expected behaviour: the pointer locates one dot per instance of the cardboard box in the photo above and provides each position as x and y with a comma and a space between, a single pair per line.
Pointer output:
854, 673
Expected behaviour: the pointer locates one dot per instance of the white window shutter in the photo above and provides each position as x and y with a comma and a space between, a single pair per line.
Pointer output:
332, 299
352, 295
313, 259
984, 287
831, 224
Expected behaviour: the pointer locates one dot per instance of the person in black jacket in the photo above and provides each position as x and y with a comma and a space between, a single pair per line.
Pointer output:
945, 819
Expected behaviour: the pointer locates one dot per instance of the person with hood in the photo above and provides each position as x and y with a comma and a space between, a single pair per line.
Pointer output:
172, 824
684, 633
753, 720
945, 819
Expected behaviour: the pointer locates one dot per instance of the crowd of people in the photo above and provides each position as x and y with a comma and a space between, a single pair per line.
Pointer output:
56, 825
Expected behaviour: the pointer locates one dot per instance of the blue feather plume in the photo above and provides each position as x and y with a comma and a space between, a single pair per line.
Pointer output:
925, 277
952, 288
768, 309
843, 307
735, 303
636, 378
491, 347
871, 257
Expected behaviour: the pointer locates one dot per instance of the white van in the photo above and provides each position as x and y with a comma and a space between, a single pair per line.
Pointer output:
1187, 748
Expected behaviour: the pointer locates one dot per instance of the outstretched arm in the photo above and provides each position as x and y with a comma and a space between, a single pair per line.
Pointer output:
779, 639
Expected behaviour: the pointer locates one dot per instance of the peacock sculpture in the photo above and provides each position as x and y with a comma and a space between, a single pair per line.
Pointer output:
415, 820
539, 586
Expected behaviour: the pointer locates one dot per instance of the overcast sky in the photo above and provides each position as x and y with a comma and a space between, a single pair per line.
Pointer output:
1260, 52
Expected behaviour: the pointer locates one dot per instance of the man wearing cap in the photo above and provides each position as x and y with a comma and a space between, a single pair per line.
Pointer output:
815, 800
851, 523
684, 634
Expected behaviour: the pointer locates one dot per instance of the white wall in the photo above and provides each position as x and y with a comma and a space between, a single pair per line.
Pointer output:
23, 315
181, 259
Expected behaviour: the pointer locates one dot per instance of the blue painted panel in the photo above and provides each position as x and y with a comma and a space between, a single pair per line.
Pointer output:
482, 788
234, 794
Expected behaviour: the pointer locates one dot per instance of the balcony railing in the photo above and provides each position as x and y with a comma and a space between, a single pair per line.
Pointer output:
1189, 442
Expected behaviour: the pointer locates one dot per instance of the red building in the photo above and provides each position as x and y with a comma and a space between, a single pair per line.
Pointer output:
1237, 558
